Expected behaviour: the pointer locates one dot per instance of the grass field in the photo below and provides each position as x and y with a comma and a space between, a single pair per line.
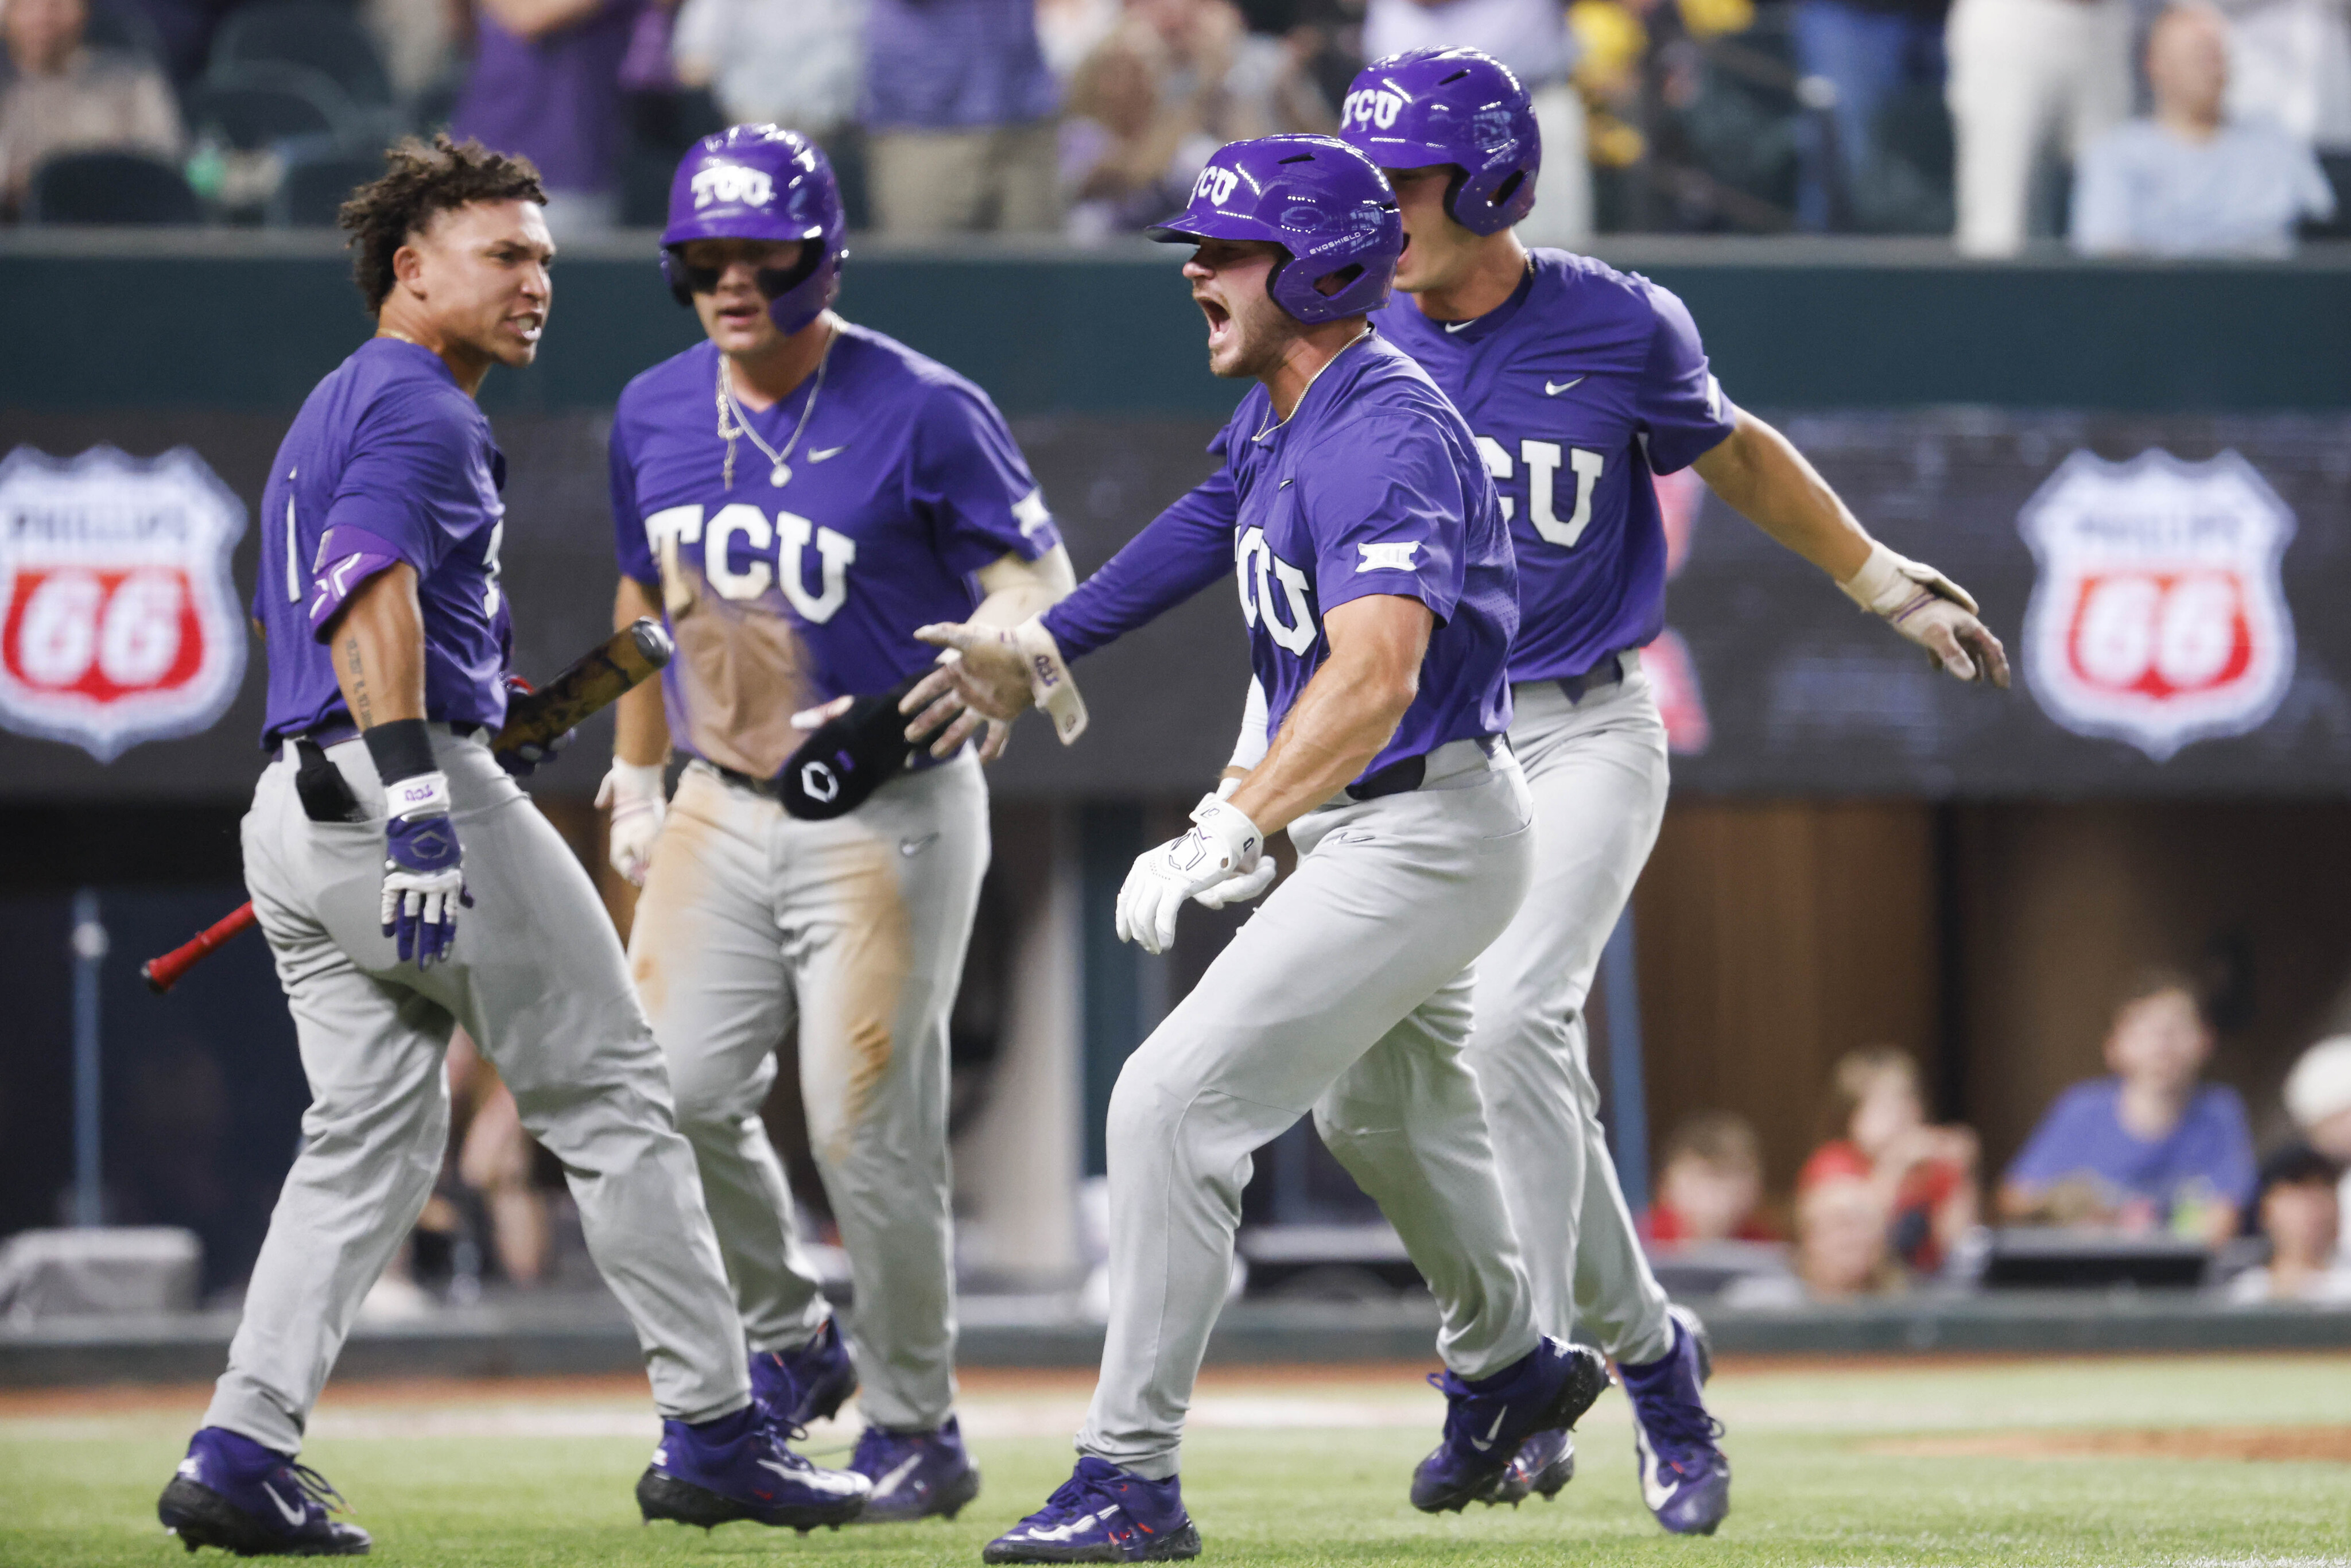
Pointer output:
1895, 1463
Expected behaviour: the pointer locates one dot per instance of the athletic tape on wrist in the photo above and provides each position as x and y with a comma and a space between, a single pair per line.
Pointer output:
1049, 679
1230, 827
1888, 583
423, 795
635, 780
402, 748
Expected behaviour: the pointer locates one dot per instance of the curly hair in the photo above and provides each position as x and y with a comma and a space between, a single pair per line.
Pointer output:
419, 183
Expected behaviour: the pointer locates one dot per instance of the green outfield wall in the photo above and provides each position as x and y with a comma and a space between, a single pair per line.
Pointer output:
250, 321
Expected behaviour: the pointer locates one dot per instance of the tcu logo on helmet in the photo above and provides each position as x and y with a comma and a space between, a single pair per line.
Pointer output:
733, 184
2159, 617
1374, 109
1217, 184
121, 623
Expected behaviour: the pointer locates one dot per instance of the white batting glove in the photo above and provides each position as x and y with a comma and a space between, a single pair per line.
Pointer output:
1931, 610
1223, 844
1248, 884
633, 792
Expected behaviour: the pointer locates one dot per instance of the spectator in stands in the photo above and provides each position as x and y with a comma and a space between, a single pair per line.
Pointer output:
1709, 1184
61, 96
1841, 1250
2025, 76
1146, 109
1855, 56
959, 105
545, 85
800, 64
2149, 1149
1531, 37
2318, 1098
2190, 181
2300, 1216
418, 39
2292, 60
1068, 31
1924, 1177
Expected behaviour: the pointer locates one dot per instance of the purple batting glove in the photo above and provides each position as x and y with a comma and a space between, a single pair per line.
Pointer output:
423, 871
523, 759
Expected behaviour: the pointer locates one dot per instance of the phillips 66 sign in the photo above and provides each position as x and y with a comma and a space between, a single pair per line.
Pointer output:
122, 623
2157, 617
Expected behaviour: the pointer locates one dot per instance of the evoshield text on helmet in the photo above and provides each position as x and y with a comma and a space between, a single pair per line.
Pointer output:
1317, 197
1451, 105
761, 182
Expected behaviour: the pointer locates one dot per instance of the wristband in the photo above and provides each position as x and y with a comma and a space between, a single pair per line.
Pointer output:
1228, 827
402, 748
418, 795
1049, 684
638, 779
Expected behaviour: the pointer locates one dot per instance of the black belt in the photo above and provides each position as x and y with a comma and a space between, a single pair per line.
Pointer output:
1608, 672
1404, 774
767, 787
334, 732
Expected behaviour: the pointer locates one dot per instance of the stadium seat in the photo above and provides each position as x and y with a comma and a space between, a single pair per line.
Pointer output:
263, 103
328, 38
316, 186
2337, 168
110, 188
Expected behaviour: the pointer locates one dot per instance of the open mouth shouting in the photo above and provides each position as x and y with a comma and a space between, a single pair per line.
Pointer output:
1221, 321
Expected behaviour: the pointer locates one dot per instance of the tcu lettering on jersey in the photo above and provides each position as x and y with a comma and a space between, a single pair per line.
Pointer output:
1371, 108
1542, 459
734, 184
778, 555
1293, 628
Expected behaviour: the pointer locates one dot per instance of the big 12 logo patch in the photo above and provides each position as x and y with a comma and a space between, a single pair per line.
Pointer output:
117, 616
2158, 616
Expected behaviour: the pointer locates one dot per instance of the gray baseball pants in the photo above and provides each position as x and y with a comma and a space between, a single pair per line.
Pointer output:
755, 926
537, 979
1597, 767
1347, 994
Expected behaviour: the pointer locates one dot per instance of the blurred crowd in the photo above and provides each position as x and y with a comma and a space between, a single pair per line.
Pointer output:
2127, 127
2152, 1158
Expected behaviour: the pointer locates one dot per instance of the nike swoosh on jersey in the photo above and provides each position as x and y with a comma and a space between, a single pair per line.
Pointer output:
1553, 389
289, 1511
823, 453
910, 848
1457, 326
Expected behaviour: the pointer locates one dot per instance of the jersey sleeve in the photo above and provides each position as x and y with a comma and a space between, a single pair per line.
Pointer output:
634, 551
1678, 408
1389, 513
969, 478
1178, 553
413, 463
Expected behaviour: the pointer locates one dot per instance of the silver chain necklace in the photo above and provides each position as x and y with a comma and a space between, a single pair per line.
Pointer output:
733, 421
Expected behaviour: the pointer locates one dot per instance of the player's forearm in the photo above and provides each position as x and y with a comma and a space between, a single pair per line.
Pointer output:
1346, 714
1762, 476
640, 725
377, 641
1017, 588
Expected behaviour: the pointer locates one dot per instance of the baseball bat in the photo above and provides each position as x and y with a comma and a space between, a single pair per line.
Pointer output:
596, 680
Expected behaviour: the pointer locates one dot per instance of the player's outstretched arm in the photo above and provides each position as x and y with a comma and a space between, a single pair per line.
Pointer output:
632, 789
1762, 475
1016, 589
377, 640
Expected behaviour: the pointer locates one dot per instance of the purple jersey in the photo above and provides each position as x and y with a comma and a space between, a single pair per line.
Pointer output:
903, 484
1372, 486
1579, 386
388, 461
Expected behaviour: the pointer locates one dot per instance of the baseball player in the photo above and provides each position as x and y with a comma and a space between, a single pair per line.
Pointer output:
796, 494
406, 885
1582, 382
1376, 584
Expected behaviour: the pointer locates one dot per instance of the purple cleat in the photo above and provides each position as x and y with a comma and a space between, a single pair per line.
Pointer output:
1544, 1463
1489, 1421
233, 1493
1102, 1514
736, 1467
808, 1383
915, 1474
1685, 1479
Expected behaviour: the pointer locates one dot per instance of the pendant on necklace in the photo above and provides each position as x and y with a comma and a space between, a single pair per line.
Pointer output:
782, 476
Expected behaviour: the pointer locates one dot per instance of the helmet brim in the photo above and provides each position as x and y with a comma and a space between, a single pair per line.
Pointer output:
1190, 228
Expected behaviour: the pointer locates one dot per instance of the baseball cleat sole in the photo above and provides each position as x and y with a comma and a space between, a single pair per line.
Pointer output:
1176, 1547
666, 1497
200, 1516
945, 1504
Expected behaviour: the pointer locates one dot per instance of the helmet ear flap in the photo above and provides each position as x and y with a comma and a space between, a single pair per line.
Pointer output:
674, 276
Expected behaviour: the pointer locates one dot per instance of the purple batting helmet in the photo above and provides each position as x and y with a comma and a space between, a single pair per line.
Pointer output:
1327, 204
759, 182
1457, 106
